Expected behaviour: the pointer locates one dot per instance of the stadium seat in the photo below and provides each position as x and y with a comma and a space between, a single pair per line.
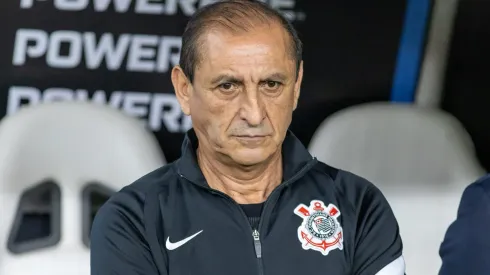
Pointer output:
57, 160
422, 159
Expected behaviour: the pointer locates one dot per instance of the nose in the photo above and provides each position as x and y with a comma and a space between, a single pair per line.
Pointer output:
252, 108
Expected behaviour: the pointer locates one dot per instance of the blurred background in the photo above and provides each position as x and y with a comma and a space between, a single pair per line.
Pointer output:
394, 90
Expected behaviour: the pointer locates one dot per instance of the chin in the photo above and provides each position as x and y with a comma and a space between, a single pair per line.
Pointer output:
249, 157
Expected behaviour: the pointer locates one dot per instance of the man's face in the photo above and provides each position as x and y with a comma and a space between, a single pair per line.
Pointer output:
244, 92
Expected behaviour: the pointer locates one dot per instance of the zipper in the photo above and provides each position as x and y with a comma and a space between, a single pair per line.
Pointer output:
258, 250
256, 231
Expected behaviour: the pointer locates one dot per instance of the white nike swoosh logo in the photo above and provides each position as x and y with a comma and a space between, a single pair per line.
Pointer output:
171, 246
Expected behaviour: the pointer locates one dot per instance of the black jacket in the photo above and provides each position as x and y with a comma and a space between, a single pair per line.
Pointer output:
319, 220
466, 246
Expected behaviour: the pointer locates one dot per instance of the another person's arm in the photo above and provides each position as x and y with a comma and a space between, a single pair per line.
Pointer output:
466, 246
378, 242
118, 243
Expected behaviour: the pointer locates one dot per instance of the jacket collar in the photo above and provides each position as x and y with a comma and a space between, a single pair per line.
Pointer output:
294, 157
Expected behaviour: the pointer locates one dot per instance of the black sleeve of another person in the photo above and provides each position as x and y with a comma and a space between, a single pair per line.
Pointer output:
466, 246
378, 242
118, 245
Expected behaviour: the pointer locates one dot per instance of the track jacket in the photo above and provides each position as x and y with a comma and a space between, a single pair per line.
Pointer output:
319, 220
466, 246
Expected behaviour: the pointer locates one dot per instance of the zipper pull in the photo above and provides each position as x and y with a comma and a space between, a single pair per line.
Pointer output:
257, 245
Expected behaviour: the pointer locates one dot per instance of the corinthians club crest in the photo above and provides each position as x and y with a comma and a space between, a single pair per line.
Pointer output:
320, 229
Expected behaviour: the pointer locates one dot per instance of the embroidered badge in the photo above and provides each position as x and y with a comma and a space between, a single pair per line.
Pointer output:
320, 229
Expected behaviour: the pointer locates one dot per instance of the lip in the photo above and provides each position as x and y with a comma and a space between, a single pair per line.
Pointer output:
253, 139
252, 136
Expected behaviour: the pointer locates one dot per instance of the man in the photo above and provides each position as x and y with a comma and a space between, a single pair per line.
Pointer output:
245, 197
466, 246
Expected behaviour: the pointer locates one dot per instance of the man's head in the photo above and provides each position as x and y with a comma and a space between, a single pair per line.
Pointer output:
239, 79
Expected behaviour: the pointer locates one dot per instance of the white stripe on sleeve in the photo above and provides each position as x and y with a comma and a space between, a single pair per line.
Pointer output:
397, 267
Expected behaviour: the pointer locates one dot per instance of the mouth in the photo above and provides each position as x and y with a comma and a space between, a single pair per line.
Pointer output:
251, 137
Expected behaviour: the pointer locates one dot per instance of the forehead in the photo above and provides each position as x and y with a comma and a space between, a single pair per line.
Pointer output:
264, 47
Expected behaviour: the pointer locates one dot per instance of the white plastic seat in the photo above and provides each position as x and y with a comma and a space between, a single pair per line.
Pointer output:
421, 159
72, 144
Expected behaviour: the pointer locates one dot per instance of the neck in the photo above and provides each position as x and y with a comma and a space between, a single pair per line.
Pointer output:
246, 185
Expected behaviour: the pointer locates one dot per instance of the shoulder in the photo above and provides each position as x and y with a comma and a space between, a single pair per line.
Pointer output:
476, 196
128, 204
481, 186
466, 245
150, 183
349, 186
373, 228
119, 227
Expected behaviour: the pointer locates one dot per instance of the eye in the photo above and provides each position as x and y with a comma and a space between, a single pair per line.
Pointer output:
271, 85
227, 87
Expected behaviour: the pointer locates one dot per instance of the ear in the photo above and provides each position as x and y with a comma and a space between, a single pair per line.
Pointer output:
297, 85
183, 89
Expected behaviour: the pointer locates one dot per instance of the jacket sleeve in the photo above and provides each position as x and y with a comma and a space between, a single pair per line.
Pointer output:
118, 244
378, 242
466, 246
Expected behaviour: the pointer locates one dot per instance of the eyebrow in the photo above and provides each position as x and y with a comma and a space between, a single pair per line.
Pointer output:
277, 76
225, 78
233, 79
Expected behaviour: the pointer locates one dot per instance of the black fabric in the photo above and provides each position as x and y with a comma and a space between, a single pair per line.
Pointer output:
254, 222
466, 246
253, 212
150, 217
466, 90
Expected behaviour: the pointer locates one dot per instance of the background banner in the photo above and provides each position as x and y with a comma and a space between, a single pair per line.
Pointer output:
120, 53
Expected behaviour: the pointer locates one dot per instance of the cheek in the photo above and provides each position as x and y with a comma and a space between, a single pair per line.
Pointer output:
210, 114
282, 120
280, 111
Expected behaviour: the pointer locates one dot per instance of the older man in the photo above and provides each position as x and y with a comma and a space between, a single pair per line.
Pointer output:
245, 197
